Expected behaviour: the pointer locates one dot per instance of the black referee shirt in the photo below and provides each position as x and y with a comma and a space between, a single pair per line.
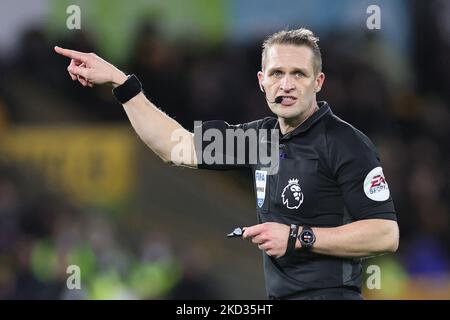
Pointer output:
329, 175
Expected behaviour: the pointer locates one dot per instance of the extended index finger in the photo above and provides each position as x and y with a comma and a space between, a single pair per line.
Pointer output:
72, 54
252, 231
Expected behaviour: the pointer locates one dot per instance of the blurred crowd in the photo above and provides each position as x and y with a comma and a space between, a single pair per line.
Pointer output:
42, 233
401, 101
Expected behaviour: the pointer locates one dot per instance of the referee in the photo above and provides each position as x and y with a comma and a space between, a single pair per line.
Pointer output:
325, 207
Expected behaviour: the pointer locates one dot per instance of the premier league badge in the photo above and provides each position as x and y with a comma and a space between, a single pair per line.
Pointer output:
292, 195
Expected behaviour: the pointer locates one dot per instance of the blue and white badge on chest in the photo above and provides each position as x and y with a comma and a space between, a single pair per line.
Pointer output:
261, 186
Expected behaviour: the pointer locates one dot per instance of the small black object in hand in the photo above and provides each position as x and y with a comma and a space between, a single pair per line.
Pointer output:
238, 232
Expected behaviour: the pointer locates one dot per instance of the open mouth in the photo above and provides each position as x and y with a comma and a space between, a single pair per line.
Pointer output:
288, 100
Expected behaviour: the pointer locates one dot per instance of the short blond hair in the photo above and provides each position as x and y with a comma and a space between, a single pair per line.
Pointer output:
297, 37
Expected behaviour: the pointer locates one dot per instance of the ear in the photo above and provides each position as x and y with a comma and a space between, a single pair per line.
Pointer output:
260, 76
320, 79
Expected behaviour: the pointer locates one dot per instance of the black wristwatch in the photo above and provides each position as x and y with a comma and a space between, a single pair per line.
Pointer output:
307, 238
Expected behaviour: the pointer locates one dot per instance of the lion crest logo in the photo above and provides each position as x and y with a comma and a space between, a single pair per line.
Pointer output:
292, 195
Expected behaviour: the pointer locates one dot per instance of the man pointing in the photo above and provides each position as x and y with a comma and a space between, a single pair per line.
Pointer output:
328, 203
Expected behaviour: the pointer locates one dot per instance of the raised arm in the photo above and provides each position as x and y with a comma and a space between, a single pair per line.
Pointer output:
166, 137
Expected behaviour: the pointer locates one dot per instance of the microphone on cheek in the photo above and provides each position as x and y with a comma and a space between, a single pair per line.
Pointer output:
277, 99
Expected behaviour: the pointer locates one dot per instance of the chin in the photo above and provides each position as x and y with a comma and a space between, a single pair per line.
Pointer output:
286, 113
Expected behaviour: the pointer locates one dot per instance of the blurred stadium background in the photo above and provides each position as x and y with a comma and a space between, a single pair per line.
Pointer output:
78, 187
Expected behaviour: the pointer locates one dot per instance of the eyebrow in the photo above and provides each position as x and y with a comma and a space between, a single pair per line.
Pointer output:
303, 70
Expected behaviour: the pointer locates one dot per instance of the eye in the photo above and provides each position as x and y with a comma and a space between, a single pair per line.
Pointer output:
299, 74
277, 74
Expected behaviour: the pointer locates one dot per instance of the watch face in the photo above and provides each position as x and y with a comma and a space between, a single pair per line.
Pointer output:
307, 237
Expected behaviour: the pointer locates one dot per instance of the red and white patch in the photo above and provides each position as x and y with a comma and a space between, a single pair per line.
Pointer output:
375, 185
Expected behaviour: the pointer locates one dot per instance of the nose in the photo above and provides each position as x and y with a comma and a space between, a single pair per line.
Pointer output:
287, 84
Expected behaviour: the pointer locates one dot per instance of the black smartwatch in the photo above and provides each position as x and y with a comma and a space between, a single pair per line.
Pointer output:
307, 238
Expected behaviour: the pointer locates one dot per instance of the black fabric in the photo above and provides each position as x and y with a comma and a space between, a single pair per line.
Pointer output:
228, 160
324, 179
127, 90
324, 294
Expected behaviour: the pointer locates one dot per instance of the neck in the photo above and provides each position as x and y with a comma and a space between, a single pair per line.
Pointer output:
288, 125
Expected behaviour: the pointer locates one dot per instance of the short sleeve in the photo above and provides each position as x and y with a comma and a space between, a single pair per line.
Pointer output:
359, 174
218, 147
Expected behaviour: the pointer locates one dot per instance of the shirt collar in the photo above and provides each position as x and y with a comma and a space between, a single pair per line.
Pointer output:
324, 108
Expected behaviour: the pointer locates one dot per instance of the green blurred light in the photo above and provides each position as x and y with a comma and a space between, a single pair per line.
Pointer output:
108, 286
84, 257
154, 280
44, 261
113, 24
394, 279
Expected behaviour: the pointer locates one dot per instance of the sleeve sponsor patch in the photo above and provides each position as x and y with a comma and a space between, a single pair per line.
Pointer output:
375, 185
